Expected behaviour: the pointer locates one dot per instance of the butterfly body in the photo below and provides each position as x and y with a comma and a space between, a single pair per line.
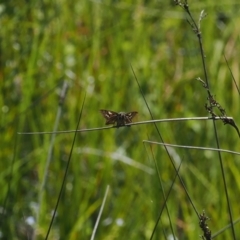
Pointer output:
120, 118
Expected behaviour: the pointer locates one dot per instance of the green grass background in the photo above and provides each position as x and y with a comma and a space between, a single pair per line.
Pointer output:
91, 45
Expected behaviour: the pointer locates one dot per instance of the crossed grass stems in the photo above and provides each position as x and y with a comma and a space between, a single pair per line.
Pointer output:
210, 108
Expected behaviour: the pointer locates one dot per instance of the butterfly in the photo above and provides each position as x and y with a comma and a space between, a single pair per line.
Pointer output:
121, 118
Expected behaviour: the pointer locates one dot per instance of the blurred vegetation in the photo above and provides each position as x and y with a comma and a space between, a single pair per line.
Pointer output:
91, 45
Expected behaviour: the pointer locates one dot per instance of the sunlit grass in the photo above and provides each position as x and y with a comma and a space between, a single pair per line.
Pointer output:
92, 45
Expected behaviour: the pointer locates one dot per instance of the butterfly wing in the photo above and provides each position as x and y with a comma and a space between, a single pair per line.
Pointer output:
129, 116
110, 116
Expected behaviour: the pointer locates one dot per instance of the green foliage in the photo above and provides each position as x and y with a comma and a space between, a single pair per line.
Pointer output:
91, 46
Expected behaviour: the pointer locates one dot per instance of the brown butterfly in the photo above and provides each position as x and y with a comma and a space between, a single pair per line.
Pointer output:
121, 118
